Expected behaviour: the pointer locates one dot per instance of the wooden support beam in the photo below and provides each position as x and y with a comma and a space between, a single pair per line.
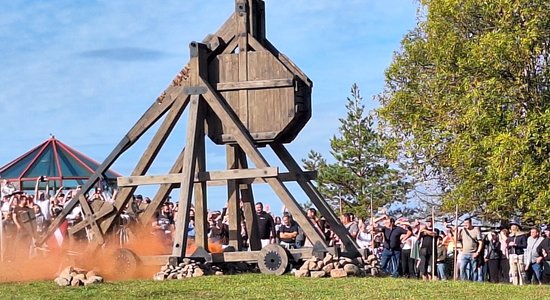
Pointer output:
196, 115
313, 194
258, 84
87, 214
124, 194
242, 16
233, 202
200, 190
257, 19
247, 198
231, 46
162, 193
255, 44
227, 30
106, 209
204, 176
149, 118
288, 63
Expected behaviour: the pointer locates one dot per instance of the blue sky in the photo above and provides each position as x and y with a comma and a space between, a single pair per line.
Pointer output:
85, 71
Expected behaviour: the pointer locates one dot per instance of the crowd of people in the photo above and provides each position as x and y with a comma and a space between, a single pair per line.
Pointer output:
413, 248
405, 248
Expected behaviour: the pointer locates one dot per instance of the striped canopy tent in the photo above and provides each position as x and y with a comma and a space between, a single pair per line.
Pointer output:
61, 164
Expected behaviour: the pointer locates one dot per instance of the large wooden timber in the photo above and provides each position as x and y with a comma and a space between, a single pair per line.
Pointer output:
240, 92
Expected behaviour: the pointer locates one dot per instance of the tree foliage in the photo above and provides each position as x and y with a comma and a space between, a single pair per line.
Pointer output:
361, 170
468, 97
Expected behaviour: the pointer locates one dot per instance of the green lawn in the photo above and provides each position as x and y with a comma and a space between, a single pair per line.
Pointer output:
257, 286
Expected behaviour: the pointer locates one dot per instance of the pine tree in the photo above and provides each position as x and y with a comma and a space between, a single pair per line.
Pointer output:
362, 171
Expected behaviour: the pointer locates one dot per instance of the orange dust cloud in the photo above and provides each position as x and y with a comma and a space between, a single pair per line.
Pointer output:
46, 264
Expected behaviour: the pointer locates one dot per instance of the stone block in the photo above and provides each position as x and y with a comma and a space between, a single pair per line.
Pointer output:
328, 259
76, 282
351, 269
198, 273
328, 268
160, 276
338, 273
317, 274
61, 281
301, 273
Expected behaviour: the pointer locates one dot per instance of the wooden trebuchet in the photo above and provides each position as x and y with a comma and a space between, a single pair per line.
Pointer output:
241, 92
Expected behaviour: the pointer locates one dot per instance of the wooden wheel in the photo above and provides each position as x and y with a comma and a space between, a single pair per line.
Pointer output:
273, 260
125, 263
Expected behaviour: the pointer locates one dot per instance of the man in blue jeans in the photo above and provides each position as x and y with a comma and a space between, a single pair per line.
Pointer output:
391, 255
470, 237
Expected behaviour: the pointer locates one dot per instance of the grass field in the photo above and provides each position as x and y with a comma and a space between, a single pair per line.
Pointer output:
257, 286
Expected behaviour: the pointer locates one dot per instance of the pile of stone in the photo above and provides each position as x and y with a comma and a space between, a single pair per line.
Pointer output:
71, 276
189, 268
331, 266
372, 265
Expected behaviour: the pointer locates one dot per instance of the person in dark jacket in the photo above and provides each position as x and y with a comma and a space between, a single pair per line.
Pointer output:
266, 225
517, 241
493, 255
543, 251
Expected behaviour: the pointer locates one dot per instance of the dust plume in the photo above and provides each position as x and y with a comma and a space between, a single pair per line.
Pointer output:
46, 264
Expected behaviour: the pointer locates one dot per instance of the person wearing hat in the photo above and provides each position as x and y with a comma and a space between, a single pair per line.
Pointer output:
517, 241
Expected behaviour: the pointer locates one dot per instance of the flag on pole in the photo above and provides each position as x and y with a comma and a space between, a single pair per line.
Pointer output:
56, 240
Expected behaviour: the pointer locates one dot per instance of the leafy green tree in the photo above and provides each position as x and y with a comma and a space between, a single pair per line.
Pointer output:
467, 96
362, 169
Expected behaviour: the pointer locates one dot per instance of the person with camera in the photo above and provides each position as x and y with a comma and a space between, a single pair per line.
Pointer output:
56, 203
97, 195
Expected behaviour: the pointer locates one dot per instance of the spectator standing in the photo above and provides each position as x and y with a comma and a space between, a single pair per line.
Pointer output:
42, 198
164, 224
41, 222
493, 256
408, 263
278, 223
287, 233
543, 251
266, 225
6, 188
470, 237
391, 254
504, 262
440, 259
516, 247
350, 224
428, 237
533, 269
22, 219
364, 236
